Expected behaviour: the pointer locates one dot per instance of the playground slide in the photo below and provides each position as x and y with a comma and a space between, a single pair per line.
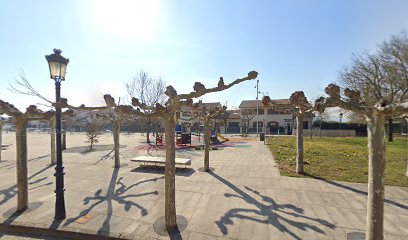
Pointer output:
215, 141
223, 139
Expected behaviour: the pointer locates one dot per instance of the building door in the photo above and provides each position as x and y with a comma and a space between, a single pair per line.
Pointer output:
289, 128
233, 127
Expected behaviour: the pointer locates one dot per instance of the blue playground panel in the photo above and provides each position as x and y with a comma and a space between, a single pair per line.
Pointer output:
178, 128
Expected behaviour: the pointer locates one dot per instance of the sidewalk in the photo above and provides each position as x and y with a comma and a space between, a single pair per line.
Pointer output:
243, 198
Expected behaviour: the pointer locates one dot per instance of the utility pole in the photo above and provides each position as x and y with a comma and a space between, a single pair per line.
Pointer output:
257, 107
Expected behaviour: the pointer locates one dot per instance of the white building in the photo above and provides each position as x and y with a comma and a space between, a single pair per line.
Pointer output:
187, 112
274, 118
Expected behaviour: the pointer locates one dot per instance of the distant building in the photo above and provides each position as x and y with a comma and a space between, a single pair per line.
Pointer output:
274, 118
187, 112
232, 121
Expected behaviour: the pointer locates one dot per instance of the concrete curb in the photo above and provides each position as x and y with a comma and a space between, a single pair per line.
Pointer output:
18, 229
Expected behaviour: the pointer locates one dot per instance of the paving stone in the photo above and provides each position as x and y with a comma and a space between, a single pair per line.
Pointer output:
243, 198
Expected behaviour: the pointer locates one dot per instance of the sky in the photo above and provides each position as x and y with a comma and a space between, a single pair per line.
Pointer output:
293, 45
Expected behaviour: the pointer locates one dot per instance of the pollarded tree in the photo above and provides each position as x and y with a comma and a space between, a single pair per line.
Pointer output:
23, 86
20, 120
406, 120
167, 114
376, 86
206, 115
1, 136
300, 106
2, 122
114, 115
375, 117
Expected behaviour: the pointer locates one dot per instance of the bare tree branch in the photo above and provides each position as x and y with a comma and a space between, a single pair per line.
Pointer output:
200, 90
21, 85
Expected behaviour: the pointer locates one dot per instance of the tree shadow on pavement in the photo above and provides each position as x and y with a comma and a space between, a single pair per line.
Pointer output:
11, 191
96, 148
355, 190
113, 195
11, 165
268, 212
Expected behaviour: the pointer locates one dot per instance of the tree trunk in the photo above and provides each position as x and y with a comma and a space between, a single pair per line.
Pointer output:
22, 181
52, 134
148, 131
406, 174
247, 127
116, 129
148, 135
170, 171
390, 131
91, 142
207, 135
376, 166
320, 129
1, 138
299, 144
406, 119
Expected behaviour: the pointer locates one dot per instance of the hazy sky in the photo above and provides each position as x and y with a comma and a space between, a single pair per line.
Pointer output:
294, 45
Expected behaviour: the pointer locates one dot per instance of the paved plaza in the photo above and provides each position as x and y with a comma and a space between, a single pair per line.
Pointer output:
243, 198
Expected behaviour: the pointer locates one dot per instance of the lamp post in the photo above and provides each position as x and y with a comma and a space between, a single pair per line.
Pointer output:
58, 66
341, 117
257, 106
215, 124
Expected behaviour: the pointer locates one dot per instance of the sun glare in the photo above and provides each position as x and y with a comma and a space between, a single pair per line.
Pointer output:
127, 19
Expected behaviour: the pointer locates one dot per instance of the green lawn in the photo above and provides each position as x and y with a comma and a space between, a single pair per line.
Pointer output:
343, 159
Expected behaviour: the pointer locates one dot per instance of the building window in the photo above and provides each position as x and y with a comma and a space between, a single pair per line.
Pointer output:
246, 112
283, 110
187, 114
260, 124
261, 111
273, 124
305, 125
270, 111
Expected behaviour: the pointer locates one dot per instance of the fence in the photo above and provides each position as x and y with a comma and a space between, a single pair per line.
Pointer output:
329, 132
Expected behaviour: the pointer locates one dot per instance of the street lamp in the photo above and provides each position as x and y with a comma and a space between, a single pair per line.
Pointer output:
341, 117
58, 66
257, 106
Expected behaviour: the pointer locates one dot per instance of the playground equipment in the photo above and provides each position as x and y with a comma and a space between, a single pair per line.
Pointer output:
222, 138
214, 139
182, 138
200, 129
159, 139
